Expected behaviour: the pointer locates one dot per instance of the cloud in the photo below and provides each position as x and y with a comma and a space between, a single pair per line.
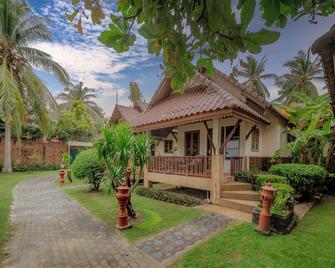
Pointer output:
85, 59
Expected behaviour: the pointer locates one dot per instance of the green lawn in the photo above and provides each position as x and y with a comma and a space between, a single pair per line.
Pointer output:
155, 216
7, 183
311, 244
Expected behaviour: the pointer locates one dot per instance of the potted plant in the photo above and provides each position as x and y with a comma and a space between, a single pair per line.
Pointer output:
283, 218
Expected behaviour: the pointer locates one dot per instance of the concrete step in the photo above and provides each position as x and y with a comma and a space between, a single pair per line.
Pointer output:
229, 178
236, 186
240, 195
242, 205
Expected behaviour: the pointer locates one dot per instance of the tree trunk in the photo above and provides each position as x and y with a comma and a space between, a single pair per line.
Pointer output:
130, 210
7, 162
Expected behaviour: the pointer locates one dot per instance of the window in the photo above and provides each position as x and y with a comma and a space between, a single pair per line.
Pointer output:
232, 148
168, 146
209, 145
255, 140
192, 143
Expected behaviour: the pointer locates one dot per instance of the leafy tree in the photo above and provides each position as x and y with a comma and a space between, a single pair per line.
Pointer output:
184, 31
135, 93
254, 72
78, 92
74, 124
121, 151
310, 129
20, 88
304, 72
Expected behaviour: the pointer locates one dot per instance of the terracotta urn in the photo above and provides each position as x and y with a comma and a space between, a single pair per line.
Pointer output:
61, 174
122, 197
267, 196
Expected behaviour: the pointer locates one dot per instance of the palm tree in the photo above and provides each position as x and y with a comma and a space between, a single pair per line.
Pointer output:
304, 72
78, 92
21, 90
254, 72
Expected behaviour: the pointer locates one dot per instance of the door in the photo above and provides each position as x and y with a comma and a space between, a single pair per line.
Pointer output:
232, 148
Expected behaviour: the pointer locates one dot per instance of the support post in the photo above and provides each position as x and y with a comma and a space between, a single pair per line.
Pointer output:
210, 138
217, 177
246, 163
230, 135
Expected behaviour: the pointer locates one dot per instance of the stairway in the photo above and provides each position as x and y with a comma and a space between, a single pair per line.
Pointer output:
239, 196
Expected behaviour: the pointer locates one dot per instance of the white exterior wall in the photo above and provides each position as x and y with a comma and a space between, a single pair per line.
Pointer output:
160, 146
271, 138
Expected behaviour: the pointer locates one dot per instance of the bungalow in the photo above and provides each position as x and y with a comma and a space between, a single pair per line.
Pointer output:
212, 130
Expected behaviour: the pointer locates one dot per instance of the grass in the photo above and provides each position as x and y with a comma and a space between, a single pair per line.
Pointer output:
154, 216
7, 183
311, 244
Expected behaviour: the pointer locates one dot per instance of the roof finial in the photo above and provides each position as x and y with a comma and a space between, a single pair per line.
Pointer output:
116, 98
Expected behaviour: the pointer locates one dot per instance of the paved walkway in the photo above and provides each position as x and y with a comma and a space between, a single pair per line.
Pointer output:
174, 242
53, 230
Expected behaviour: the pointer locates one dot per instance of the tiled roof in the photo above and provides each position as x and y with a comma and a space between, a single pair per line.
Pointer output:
127, 113
202, 95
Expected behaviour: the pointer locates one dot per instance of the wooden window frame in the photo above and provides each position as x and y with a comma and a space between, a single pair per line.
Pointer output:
191, 145
168, 146
255, 140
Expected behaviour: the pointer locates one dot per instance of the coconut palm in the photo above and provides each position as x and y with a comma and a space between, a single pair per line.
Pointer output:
254, 73
304, 72
21, 91
78, 92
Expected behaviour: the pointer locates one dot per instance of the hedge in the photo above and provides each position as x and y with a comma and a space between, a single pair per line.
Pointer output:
262, 179
87, 165
245, 176
175, 198
303, 178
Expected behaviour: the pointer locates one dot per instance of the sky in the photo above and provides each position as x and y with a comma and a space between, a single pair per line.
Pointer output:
99, 67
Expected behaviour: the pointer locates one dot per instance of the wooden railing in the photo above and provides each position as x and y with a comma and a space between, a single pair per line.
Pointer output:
264, 163
198, 166
236, 165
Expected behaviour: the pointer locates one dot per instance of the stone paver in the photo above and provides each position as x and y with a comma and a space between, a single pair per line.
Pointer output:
53, 230
164, 246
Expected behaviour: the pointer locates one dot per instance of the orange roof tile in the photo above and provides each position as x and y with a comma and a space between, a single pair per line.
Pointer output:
202, 95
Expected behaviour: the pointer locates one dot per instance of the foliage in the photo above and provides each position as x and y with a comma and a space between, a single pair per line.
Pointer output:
21, 90
310, 128
74, 124
254, 72
183, 31
87, 165
175, 198
74, 93
309, 245
284, 194
120, 149
24, 168
303, 178
304, 72
262, 179
245, 176
135, 94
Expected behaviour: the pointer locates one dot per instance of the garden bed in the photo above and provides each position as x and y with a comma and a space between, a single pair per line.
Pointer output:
282, 224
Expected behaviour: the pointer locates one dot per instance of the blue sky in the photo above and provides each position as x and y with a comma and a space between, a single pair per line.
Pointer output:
85, 59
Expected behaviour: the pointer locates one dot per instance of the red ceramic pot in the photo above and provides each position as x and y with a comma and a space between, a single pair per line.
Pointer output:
122, 197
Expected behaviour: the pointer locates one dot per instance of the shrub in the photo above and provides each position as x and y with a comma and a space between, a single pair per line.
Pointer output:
178, 199
245, 176
87, 165
262, 179
281, 204
303, 178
